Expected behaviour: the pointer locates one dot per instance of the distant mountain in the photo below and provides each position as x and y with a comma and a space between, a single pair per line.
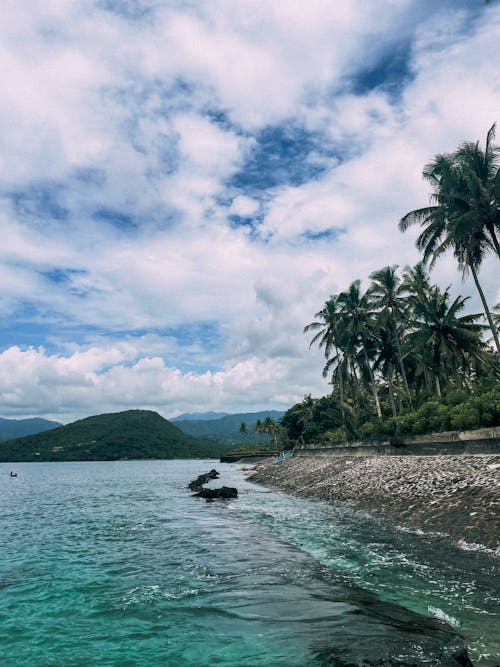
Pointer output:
226, 430
198, 416
17, 428
134, 434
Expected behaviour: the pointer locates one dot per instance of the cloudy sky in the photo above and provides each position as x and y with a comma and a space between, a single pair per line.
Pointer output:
184, 183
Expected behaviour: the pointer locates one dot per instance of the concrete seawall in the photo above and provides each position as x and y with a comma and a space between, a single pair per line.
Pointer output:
480, 441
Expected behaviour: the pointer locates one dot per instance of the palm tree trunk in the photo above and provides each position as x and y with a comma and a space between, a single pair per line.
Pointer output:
339, 371
372, 380
402, 367
491, 230
355, 375
438, 386
341, 384
391, 392
486, 309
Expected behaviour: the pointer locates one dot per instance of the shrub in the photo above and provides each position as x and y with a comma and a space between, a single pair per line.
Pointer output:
336, 435
465, 416
405, 424
369, 431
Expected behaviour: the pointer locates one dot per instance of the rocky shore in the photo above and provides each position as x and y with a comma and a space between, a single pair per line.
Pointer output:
457, 496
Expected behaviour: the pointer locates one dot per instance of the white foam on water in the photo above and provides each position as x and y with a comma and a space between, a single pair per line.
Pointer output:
473, 546
443, 616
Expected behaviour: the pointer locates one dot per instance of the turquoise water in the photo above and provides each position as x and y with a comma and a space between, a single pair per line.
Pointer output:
114, 564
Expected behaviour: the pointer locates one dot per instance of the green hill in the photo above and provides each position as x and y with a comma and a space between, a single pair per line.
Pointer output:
134, 434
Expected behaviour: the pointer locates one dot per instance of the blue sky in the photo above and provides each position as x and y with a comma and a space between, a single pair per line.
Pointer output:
184, 184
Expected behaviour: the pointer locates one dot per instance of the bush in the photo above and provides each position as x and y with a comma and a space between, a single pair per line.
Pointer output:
465, 416
337, 435
458, 411
369, 431
405, 424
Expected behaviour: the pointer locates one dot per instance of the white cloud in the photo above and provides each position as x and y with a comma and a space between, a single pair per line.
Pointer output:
244, 206
96, 381
162, 113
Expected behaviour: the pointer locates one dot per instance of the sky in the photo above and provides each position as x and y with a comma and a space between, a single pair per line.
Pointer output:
183, 184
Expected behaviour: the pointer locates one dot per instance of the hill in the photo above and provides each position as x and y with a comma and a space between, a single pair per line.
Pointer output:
17, 428
134, 434
226, 429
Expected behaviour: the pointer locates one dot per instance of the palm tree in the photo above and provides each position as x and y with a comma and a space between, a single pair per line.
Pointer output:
301, 415
386, 293
268, 426
327, 337
416, 282
496, 315
357, 323
384, 360
465, 215
444, 340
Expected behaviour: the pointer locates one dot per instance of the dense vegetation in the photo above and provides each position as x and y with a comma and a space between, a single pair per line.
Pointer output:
403, 357
134, 434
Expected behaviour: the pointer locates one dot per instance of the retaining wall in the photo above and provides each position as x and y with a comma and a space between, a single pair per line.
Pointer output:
480, 441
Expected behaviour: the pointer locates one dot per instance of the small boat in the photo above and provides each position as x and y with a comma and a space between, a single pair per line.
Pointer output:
282, 457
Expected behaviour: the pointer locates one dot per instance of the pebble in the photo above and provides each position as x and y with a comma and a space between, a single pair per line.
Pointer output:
458, 496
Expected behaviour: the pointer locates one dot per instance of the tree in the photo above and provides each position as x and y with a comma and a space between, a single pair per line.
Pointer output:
357, 324
416, 282
243, 428
268, 426
328, 338
443, 340
384, 361
386, 294
465, 215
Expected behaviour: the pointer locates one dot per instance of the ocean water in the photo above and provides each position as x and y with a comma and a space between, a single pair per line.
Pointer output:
115, 564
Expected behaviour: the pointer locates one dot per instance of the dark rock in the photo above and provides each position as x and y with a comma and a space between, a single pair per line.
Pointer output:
462, 658
225, 492
197, 484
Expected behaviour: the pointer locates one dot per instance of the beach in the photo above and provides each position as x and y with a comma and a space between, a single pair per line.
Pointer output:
455, 496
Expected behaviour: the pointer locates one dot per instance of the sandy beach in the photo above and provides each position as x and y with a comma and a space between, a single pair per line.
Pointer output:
457, 496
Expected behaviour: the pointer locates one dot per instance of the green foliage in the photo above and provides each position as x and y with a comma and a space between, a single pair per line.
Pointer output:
457, 411
452, 414
337, 435
308, 420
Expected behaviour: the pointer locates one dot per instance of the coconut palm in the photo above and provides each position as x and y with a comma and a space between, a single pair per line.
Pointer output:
357, 325
386, 358
416, 282
327, 338
465, 215
268, 426
387, 296
444, 340
496, 315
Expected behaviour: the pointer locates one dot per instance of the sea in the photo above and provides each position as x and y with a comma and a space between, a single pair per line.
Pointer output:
115, 564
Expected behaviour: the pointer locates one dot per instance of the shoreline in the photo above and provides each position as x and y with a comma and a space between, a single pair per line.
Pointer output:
456, 496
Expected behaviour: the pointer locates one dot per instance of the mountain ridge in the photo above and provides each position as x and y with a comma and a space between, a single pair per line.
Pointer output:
18, 428
226, 429
198, 416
